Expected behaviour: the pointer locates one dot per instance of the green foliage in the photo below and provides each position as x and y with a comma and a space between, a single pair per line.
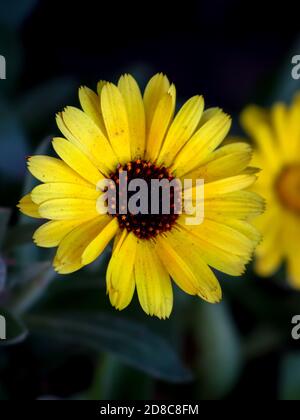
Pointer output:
289, 384
131, 342
219, 360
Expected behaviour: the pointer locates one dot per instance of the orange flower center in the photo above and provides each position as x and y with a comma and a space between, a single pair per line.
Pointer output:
288, 188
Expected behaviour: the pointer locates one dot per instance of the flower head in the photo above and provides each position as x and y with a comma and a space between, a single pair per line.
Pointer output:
120, 131
276, 133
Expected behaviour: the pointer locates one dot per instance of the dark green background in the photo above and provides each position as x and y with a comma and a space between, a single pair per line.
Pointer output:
64, 339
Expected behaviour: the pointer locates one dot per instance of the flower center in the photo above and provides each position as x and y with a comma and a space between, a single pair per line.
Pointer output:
288, 188
160, 205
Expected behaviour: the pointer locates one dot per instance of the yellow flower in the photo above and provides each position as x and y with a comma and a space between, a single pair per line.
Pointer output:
120, 129
276, 133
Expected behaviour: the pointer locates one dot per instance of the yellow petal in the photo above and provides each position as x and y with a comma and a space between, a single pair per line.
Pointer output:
228, 185
28, 207
90, 103
181, 129
279, 118
240, 205
50, 234
120, 276
49, 169
256, 122
225, 162
252, 117
224, 237
208, 114
116, 121
202, 144
89, 139
160, 123
269, 264
136, 114
293, 134
223, 261
291, 233
153, 283
97, 246
53, 190
184, 263
100, 86
156, 88
68, 209
77, 160
68, 255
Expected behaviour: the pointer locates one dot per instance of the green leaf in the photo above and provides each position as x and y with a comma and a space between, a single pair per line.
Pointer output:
35, 281
16, 331
219, 360
4, 220
111, 378
2, 274
289, 377
131, 342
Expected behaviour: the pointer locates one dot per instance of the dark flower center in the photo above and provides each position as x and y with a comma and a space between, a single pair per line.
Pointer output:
288, 188
146, 226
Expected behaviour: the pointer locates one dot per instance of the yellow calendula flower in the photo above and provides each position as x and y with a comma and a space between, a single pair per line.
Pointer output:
276, 133
120, 130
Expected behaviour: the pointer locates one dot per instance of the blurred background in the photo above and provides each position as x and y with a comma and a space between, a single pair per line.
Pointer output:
64, 339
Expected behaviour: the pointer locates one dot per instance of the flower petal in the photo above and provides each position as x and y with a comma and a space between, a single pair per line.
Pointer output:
49, 169
228, 185
152, 282
240, 205
181, 129
224, 237
227, 161
156, 88
28, 207
180, 255
116, 121
120, 277
214, 256
68, 255
50, 234
136, 114
68, 209
77, 160
90, 103
97, 246
88, 137
202, 144
160, 123
53, 190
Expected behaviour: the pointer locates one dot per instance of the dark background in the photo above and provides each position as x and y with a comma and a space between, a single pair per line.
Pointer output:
223, 49
233, 53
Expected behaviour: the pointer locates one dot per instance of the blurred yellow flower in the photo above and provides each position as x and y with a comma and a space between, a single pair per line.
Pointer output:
276, 133
119, 129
